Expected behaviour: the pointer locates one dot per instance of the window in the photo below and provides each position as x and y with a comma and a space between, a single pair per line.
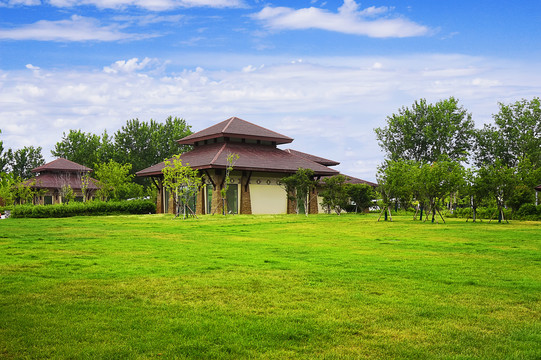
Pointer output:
232, 197
209, 198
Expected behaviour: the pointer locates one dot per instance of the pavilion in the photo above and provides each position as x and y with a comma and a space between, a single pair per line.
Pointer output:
255, 180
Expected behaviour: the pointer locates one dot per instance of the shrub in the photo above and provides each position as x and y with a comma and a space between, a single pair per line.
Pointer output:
91, 208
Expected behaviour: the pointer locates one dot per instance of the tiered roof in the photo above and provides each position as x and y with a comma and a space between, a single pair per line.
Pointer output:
235, 128
252, 157
63, 165
60, 172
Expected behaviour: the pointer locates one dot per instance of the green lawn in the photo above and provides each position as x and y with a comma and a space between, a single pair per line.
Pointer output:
273, 287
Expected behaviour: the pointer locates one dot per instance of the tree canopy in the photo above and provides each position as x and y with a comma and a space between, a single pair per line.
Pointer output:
426, 131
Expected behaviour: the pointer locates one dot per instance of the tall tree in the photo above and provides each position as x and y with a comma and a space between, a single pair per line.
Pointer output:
22, 161
143, 144
80, 147
425, 132
3, 158
515, 136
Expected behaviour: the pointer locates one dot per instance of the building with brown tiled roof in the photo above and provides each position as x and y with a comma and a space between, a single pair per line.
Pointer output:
255, 180
58, 173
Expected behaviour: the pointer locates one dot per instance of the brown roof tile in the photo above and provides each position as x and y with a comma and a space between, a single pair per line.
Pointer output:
314, 158
56, 181
251, 157
235, 127
62, 164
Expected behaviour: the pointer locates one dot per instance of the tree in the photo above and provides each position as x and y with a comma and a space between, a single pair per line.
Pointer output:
144, 144
183, 182
166, 135
334, 193
500, 181
475, 189
515, 136
362, 195
3, 159
297, 187
438, 180
231, 160
426, 132
80, 147
115, 181
67, 194
22, 161
8, 181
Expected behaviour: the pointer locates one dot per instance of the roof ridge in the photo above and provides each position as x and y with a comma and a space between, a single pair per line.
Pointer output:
229, 123
218, 154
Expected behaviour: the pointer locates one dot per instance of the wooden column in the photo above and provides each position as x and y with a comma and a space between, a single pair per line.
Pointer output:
217, 202
312, 202
200, 202
245, 199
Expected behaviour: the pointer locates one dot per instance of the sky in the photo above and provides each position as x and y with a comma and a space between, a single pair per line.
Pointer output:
325, 73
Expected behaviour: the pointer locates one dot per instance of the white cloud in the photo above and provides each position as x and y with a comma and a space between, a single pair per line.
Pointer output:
329, 105
349, 19
129, 66
76, 28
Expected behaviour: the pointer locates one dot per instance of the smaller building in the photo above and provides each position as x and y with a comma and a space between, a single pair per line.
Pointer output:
58, 174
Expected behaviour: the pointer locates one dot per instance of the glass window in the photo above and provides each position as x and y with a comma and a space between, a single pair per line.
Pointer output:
209, 198
232, 197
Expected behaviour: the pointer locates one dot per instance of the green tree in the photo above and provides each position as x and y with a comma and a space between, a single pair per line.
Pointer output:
144, 144
183, 182
500, 180
80, 147
115, 181
426, 132
66, 193
8, 181
22, 161
4, 161
516, 135
298, 186
438, 180
334, 194
475, 189
362, 195
231, 160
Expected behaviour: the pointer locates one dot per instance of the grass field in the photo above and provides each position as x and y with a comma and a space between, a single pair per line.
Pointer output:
333, 287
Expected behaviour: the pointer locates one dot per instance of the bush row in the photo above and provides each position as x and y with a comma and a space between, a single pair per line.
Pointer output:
90, 208
526, 212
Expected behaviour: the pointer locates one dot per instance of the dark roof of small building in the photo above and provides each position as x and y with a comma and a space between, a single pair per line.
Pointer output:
354, 180
56, 181
62, 164
313, 158
252, 157
538, 188
235, 127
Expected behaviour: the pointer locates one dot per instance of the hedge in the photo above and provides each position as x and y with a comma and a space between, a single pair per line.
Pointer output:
91, 208
526, 212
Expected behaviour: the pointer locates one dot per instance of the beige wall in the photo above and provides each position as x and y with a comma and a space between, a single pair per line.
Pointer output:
268, 199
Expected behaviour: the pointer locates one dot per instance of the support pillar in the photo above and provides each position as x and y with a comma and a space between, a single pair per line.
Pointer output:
200, 202
245, 199
312, 202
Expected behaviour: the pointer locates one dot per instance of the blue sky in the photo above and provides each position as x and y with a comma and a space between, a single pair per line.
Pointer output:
323, 72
